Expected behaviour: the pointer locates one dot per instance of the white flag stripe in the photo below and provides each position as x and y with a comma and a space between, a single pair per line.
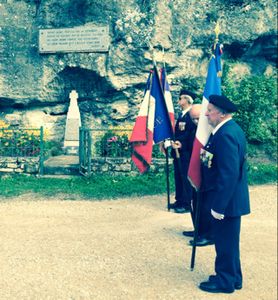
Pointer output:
168, 99
204, 129
145, 105
151, 114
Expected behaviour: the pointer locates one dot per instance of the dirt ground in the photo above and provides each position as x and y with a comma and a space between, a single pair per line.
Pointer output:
133, 249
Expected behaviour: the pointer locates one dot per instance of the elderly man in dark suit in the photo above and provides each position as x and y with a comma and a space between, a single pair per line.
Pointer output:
184, 136
225, 190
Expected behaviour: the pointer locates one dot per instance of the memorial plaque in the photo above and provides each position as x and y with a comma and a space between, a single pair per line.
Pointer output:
86, 38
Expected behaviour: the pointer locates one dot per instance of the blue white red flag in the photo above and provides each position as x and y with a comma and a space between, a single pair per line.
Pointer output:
142, 134
152, 124
212, 87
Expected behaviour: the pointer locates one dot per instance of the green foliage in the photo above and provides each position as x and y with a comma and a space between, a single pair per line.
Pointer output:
116, 144
256, 97
25, 142
157, 152
111, 144
96, 187
262, 173
52, 148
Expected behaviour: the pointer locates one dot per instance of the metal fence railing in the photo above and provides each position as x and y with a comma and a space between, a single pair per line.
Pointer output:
114, 143
106, 143
102, 143
85, 151
110, 143
23, 142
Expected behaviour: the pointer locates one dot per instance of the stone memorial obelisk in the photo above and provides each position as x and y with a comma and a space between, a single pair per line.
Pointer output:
73, 122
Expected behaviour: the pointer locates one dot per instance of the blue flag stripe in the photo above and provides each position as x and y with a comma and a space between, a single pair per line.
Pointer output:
162, 125
213, 82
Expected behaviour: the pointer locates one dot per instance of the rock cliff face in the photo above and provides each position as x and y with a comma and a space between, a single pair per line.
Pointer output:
35, 87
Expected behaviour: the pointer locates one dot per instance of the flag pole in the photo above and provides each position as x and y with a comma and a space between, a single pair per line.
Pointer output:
196, 229
198, 196
166, 150
167, 178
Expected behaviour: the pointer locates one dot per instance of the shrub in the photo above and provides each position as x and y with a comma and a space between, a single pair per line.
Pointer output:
113, 144
256, 97
262, 173
52, 148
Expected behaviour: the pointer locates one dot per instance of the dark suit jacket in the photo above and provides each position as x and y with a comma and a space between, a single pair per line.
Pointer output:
186, 136
224, 178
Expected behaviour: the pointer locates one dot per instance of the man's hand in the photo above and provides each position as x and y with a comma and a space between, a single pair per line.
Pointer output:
176, 145
217, 215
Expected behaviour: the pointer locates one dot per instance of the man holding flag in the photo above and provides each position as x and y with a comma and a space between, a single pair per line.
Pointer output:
204, 235
184, 137
218, 172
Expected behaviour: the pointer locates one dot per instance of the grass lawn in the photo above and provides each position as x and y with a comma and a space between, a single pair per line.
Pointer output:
109, 187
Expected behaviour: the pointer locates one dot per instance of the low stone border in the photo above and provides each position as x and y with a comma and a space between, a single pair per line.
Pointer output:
102, 165
29, 165
124, 166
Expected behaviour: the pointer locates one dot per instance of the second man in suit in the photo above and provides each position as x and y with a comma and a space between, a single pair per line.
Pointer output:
184, 138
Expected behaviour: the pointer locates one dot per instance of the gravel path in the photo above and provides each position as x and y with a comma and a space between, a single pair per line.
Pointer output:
124, 249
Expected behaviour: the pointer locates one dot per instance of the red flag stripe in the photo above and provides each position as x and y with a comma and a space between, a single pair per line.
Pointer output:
142, 154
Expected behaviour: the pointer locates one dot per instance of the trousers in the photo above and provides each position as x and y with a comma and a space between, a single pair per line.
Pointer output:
227, 262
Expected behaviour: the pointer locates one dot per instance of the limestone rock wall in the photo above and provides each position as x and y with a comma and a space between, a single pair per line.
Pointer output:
34, 87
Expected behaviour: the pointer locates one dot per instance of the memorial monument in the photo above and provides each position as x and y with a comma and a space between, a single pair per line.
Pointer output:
73, 122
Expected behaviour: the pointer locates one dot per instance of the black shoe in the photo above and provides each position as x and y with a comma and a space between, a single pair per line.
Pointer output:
212, 287
174, 205
238, 286
201, 242
181, 210
188, 233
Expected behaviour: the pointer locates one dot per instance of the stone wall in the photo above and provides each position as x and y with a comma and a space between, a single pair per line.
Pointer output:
28, 165
100, 165
125, 166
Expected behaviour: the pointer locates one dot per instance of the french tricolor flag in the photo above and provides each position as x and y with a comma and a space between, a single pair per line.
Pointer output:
142, 134
152, 124
212, 87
